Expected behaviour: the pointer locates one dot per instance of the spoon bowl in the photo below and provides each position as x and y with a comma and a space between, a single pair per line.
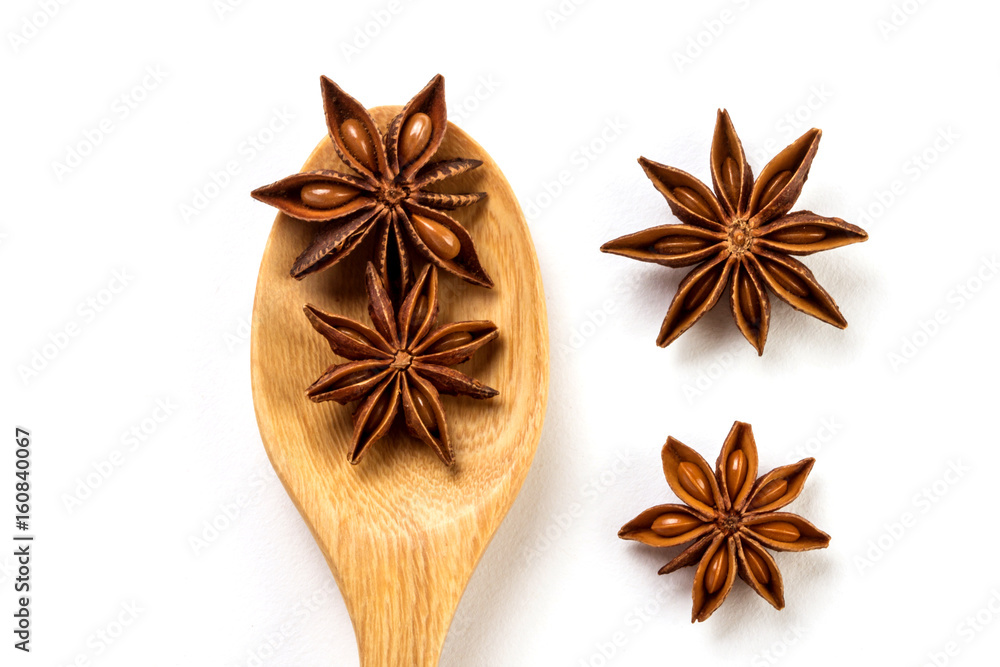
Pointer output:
400, 531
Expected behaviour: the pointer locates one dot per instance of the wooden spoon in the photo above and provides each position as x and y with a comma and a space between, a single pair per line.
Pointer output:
401, 532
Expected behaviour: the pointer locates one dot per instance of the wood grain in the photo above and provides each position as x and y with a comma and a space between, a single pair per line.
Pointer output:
401, 532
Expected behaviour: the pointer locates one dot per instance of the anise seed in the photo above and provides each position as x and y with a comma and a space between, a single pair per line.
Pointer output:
450, 342
779, 531
690, 200
354, 378
419, 314
787, 279
441, 240
679, 245
324, 196
748, 301
775, 186
673, 524
424, 410
771, 492
693, 480
731, 179
736, 473
758, 568
699, 291
414, 138
358, 142
718, 568
799, 235
377, 414
352, 334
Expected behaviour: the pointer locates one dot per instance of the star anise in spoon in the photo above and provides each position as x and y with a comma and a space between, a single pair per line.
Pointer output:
741, 235
730, 515
405, 360
388, 195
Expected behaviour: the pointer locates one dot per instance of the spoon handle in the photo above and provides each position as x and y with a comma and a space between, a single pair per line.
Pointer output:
402, 593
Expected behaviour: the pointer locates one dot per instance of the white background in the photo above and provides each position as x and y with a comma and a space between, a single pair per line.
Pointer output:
909, 107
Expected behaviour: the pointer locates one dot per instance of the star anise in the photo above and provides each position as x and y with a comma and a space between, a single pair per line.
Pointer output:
742, 235
731, 516
404, 359
388, 194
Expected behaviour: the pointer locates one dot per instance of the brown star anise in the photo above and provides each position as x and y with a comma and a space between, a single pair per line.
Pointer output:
389, 193
742, 236
404, 359
731, 515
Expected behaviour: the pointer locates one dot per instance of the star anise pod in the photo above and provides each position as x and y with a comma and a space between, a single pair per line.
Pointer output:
731, 516
388, 193
404, 359
742, 235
